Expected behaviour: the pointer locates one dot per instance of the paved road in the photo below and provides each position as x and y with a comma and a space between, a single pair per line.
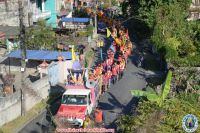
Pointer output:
38, 125
118, 99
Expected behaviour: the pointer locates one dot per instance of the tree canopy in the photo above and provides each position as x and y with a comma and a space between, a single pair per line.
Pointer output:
170, 32
40, 36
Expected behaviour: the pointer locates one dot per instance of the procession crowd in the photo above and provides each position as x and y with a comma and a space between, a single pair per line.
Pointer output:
111, 69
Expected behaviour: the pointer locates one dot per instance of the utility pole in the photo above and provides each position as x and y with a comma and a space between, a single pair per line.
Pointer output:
23, 55
95, 19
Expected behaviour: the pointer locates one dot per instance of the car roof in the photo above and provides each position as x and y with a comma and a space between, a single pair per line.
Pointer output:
77, 92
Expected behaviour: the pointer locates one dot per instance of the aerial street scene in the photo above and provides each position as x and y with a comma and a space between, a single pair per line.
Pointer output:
99, 66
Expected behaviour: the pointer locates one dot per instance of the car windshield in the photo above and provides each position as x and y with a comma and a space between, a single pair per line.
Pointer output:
74, 99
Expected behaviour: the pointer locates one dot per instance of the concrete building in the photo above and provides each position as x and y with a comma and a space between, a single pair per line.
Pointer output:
194, 10
33, 10
9, 12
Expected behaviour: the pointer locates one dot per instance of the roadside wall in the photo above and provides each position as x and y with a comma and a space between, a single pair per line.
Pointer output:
9, 12
10, 106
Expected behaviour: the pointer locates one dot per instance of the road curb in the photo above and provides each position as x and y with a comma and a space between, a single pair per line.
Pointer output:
35, 116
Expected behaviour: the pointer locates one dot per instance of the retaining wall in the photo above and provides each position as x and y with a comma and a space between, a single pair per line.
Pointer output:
10, 106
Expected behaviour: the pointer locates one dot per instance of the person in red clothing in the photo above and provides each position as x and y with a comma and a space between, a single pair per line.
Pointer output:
104, 83
120, 58
114, 74
109, 62
104, 65
117, 69
98, 70
108, 77
122, 49
121, 68
115, 45
128, 52
125, 56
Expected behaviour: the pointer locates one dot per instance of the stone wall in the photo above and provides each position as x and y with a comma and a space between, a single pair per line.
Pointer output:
9, 15
10, 106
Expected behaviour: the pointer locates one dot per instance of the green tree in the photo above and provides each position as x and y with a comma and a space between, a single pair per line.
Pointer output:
40, 36
114, 3
165, 21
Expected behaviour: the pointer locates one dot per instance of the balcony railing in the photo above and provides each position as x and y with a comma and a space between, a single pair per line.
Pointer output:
43, 15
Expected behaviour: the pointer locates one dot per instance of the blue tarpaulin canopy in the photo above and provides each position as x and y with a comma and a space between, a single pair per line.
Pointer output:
76, 20
42, 54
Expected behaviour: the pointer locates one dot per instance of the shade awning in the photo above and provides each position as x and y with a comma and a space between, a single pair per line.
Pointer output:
42, 55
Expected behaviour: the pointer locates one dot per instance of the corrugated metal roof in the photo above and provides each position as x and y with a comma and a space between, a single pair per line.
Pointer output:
76, 20
42, 54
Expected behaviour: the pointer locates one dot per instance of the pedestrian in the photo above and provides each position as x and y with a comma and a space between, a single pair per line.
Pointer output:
104, 65
98, 117
125, 56
120, 58
114, 74
109, 77
117, 69
109, 62
121, 68
104, 84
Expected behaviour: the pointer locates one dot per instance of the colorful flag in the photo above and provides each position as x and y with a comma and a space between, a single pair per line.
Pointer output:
108, 32
73, 54
118, 41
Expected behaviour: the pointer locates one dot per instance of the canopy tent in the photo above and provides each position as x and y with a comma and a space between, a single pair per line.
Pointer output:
42, 54
76, 20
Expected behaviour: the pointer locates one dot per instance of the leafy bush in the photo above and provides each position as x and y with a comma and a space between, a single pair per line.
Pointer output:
167, 118
186, 61
40, 36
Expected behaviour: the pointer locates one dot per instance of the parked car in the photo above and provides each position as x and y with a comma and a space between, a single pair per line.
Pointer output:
101, 27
